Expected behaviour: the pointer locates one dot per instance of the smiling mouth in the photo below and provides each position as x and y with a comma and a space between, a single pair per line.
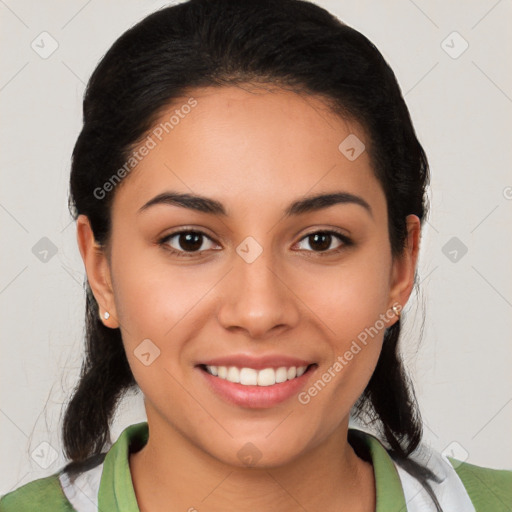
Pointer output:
252, 377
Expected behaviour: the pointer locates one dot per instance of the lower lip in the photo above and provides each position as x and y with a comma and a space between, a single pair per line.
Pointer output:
256, 397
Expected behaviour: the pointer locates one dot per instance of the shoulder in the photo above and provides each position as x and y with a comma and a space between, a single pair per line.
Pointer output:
44, 493
489, 489
77, 485
454, 484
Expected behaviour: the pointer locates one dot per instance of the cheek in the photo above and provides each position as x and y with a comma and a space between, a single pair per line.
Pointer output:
348, 297
153, 296
157, 303
351, 305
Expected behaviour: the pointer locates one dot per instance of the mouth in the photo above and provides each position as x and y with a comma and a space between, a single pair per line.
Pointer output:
256, 388
253, 377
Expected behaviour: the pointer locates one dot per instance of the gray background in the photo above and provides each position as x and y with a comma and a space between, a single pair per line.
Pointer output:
461, 107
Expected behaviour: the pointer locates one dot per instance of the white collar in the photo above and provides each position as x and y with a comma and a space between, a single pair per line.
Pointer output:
450, 491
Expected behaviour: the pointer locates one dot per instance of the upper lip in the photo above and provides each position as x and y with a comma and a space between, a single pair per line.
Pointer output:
256, 362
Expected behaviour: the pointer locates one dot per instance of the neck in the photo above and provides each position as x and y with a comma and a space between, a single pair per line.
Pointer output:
172, 474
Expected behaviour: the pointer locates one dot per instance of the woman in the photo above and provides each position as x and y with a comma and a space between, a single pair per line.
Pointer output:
249, 195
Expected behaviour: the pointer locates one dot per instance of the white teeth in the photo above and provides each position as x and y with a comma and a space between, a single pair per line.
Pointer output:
252, 377
281, 374
267, 377
233, 374
248, 377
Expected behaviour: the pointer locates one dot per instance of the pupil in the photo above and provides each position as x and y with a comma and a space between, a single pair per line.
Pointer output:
324, 237
192, 241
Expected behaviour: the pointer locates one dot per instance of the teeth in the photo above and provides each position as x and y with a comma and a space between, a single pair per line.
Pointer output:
301, 370
248, 377
267, 377
252, 377
233, 374
281, 374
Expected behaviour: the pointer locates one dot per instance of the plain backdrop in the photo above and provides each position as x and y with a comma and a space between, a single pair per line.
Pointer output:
451, 60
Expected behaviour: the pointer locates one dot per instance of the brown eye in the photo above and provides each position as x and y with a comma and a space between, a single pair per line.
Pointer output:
190, 241
321, 241
184, 242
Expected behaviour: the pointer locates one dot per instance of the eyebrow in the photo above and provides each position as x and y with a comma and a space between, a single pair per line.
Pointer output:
206, 205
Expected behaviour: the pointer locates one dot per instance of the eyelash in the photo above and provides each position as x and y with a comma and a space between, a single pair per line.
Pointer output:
346, 242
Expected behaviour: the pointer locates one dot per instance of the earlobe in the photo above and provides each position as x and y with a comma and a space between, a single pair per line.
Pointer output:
98, 271
404, 267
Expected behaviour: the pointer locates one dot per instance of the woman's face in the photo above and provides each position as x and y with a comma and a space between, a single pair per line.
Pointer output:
255, 289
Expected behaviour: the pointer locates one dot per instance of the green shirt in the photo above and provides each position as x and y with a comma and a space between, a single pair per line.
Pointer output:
109, 487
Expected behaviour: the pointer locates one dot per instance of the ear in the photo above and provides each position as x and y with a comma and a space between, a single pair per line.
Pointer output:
98, 271
404, 267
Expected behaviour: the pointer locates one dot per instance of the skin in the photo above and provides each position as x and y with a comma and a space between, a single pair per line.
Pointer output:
256, 151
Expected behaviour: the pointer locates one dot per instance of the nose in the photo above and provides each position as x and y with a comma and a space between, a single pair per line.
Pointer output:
257, 300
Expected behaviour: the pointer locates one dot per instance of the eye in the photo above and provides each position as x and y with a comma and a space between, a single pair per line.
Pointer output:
188, 243
185, 243
320, 242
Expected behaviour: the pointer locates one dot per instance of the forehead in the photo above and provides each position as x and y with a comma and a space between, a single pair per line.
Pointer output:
239, 145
